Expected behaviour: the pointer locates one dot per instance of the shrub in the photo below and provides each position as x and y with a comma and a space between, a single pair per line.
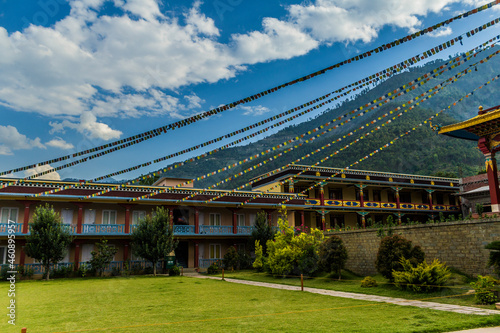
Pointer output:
479, 209
115, 271
494, 259
174, 271
391, 250
231, 258
149, 270
60, 272
422, 277
83, 270
483, 288
244, 260
214, 268
368, 282
332, 255
25, 271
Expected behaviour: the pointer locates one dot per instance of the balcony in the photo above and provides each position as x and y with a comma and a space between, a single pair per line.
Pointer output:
383, 205
119, 230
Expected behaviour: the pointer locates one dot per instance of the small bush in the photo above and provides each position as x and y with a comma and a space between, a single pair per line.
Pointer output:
174, 271
258, 264
332, 255
83, 270
423, 277
25, 271
115, 271
484, 290
148, 270
214, 268
391, 250
368, 282
61, 272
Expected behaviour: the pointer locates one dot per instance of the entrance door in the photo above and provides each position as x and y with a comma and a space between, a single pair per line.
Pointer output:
182, 254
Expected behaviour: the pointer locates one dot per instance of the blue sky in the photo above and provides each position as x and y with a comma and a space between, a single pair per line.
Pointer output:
77, 74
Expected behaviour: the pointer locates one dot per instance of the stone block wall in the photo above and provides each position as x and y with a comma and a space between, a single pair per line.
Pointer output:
459, 244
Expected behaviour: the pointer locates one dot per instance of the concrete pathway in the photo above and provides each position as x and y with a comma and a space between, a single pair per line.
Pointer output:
364, 297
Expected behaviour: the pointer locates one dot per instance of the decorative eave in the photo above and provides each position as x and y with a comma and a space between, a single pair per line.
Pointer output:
473, 129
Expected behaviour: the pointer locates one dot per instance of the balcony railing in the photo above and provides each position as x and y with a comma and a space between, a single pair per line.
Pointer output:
184, 230
4, 228
244, 230
216, 230
386, 205
103, 229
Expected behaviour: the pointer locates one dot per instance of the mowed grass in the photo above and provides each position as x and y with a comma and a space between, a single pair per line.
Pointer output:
184, 304
452, 293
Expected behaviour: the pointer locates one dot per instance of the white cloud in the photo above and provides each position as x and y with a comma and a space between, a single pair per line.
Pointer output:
89, 65
254, 110
60, 143
50, 176
352, 20
88, 126
11, 139
443, 31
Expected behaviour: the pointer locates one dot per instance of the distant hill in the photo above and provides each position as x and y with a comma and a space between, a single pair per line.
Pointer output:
423, 152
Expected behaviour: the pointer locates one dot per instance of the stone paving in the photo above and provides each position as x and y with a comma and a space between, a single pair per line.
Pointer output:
364, 297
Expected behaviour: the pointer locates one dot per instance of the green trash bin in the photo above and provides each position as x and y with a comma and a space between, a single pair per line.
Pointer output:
169, 262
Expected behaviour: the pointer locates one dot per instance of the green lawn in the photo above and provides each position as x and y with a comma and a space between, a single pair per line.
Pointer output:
183, 304
452, 293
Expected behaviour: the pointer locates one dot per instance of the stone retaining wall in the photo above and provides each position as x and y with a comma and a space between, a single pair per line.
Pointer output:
459, 244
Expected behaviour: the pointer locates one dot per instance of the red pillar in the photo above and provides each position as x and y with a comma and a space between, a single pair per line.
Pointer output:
302, 218
269, 218
80, 219
77, 256
171, 215
196, 255
235, 222
361, 199
196, 225
322, 196
397, 199
323, 222
430, 201
492, 171
26, 220
127, 218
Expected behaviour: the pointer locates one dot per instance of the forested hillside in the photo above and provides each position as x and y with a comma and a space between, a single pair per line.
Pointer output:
422, 152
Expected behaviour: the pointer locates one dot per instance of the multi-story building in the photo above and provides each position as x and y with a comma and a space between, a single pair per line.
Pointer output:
204, 228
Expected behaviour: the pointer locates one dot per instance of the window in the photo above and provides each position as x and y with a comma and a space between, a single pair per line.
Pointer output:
425, 197
89, 216
109, 217
405, 197
451, 198
376, 195
390, 196
138, 215
335, 194
3, 254
67, 216
214, 219
439, 198
240, 218
215, 251
9, 214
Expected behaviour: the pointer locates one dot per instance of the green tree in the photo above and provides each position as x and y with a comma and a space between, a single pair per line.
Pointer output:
391, 250
153, 238
48, 240
332, 255
102, 257
231, 258
262, 231
258, 264
289, 253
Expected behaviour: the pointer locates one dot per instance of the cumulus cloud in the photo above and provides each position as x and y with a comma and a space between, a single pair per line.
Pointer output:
90, 65
60, 143
353, 20
88, 126
11, 139
50, 176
